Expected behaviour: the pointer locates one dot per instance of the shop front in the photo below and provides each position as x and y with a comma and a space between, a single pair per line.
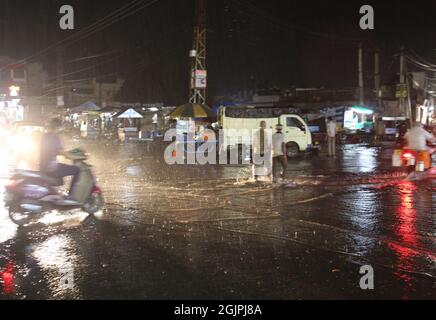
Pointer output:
426, 114
11, 107
351, 119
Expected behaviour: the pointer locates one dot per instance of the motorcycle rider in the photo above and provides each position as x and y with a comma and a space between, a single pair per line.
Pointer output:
51, 147
417, 138
402, 129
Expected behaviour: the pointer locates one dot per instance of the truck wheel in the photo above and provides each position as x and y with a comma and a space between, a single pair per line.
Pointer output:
292, 150
240, 155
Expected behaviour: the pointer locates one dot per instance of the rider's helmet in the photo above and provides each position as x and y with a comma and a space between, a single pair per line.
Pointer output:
77, 154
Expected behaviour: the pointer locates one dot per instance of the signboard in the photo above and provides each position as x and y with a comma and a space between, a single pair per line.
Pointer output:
200, 79
401, 91
391, 131
351, 120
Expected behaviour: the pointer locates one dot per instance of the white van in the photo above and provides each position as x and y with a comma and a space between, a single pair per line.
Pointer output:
298, 137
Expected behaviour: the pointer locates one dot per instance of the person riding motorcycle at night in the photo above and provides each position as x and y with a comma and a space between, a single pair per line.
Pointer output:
417, 138
402, 129
51, 147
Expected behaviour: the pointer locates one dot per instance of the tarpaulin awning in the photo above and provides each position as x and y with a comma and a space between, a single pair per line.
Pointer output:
109, 110
129, 114
87, 106
192, 110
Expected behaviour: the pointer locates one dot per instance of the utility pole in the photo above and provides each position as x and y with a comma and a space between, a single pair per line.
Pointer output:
377, 76
402, 82
361, 88
198, 85
60, 77
409, 114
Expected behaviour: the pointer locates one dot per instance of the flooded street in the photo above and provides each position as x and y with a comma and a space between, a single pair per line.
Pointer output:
206, 232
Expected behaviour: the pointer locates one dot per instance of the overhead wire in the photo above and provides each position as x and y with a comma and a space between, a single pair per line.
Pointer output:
116, 16
135, 67
280, 24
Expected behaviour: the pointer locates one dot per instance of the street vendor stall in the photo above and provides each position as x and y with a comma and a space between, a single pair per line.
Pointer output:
107, 118
192, 115
192, 120
129, 126
87, 119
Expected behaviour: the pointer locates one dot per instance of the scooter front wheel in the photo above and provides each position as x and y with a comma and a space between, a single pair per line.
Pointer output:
94, 203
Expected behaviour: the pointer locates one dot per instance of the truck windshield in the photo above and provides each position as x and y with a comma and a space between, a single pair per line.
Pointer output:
293, 123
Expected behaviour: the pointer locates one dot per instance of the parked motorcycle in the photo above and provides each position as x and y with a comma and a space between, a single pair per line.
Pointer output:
30, 193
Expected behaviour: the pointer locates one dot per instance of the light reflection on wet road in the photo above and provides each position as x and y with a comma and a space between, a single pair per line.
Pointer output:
205, 232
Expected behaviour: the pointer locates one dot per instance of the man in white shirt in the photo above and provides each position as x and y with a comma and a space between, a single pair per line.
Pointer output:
262, 151
279, 153
331, 137
155, 120
417, 138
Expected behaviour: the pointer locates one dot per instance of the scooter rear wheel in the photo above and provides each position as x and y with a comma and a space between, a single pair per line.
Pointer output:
94, 203
20, 219
20, 216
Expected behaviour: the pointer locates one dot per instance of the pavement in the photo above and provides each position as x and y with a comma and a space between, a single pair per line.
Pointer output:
207, 232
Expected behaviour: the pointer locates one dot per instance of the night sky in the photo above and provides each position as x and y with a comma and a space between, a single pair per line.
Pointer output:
251, 44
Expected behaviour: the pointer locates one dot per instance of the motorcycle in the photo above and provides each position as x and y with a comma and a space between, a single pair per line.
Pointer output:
416, 167
30, 193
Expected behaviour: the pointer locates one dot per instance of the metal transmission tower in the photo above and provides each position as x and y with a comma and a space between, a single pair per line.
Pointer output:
198, 84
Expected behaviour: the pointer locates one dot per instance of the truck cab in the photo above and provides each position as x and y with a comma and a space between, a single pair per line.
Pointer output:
297, 134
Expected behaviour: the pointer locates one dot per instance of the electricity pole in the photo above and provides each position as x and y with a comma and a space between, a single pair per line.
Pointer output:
377, 76
409, 114
361, 92
402, 82
60, 77
198, 85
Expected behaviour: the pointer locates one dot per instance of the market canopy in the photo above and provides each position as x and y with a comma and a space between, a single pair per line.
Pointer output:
129, 114
192, 110
109, 110
87, 106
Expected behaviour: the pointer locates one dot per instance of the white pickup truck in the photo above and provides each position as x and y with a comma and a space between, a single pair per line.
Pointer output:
298, 137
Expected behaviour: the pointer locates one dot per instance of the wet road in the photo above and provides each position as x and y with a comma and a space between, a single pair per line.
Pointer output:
205, 232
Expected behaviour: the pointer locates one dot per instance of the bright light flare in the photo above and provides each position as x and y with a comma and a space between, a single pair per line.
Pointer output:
22, 143
14, 91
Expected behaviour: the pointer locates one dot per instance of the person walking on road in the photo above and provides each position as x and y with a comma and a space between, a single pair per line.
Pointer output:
155, 120
280, 160
331, 137
380, 129
262, 152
